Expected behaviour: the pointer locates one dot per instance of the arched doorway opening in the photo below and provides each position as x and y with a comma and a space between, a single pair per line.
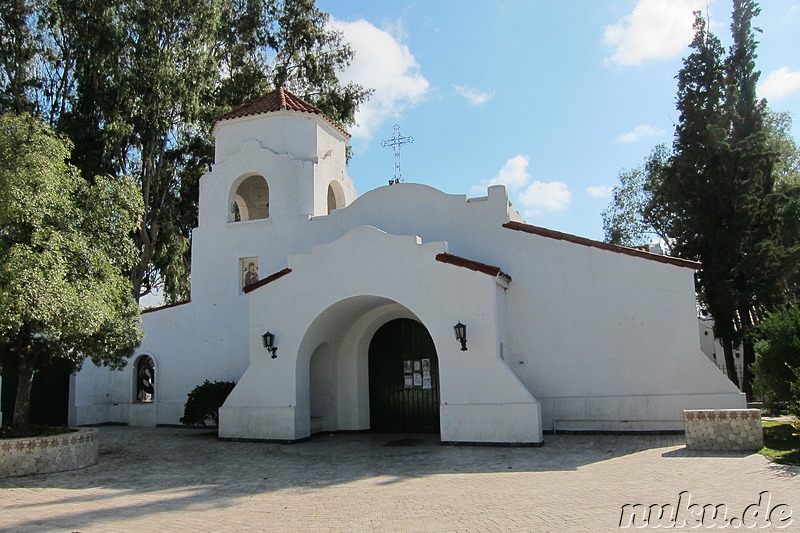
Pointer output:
403, 379
333, 367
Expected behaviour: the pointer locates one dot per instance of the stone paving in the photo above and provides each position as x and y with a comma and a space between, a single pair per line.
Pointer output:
185, 480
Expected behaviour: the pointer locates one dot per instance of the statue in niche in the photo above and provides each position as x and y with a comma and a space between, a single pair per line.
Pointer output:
145, 374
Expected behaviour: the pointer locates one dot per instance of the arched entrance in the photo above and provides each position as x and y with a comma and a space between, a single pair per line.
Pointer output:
403, 378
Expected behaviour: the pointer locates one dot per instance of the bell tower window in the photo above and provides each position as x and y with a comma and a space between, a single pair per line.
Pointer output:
251, 200
335, 196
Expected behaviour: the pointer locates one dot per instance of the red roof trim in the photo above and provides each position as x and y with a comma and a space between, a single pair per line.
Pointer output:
268, 279
552, 234
472, 265
278, 100
159, 308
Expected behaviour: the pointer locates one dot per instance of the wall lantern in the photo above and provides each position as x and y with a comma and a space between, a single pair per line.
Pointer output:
269, 343
461, 335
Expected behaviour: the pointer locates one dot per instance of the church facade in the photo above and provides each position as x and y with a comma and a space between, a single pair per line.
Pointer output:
334, 312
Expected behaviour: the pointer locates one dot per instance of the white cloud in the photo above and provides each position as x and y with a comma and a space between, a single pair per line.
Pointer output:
473, 95
642, 131
780, 84
514, 174
600, 191
532, 197
382, 63
545, 196
655, 29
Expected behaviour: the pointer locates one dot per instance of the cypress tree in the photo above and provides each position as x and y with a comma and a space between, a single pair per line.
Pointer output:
717, 190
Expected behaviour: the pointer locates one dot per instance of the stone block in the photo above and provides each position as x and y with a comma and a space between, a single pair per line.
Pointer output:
723, 429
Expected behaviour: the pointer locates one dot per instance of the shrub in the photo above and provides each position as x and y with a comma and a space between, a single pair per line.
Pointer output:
794, 405
777, 356
204, 403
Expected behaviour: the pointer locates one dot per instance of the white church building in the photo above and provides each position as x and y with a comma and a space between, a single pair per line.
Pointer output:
333, 312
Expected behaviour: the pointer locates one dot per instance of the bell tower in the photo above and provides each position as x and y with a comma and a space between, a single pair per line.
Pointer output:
278, 162
277, 156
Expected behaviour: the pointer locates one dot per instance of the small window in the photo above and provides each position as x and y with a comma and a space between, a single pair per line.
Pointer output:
251, 201
145, 379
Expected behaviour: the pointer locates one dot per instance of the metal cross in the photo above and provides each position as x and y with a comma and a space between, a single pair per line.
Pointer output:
395, 142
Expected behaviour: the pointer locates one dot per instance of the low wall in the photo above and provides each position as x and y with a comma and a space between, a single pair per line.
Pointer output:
43, 455
723, 429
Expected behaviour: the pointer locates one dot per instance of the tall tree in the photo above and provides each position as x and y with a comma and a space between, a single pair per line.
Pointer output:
64, 246
18, 51
137, 85
692, 191
625, 221
759, 276
718, 190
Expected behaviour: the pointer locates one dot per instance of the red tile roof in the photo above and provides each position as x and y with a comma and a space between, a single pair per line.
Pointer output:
472, 265
160, 307
278, 100
552, 234
268, 279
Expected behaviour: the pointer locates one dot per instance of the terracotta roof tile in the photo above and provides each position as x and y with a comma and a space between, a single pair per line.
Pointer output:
160, 307
268, 279
472, 265
278, 100
552, 234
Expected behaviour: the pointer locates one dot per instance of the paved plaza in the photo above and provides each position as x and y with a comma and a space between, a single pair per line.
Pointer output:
168, 479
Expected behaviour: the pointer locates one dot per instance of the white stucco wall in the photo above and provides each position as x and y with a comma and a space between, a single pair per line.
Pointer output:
474, 408
600, 339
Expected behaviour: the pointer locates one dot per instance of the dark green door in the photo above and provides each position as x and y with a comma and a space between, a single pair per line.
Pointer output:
403, 379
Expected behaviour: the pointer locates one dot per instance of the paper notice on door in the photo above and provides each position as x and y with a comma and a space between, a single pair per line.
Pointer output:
426, 381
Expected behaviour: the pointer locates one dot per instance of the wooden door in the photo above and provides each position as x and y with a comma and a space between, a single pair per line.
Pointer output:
403, 379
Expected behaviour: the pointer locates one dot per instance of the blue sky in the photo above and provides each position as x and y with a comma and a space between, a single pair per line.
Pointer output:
551, 98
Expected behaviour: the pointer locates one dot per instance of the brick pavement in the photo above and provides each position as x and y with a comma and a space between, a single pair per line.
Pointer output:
185, 480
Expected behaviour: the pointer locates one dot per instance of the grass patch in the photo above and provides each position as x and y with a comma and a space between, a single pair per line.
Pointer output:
781, 445
33, 431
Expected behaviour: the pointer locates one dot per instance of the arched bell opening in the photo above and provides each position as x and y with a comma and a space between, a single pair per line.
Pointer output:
335, 196
250, 200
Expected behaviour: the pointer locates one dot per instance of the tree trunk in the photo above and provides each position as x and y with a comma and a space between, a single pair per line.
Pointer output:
730, 366
22, 405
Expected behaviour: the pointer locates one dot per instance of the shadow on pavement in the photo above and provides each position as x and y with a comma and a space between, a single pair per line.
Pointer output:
168, 469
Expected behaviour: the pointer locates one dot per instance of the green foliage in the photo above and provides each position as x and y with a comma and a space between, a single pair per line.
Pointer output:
717, 191
778, 356
794, 403
64, 244
204, 403
624, 220
18, 50
781, 444
137, 85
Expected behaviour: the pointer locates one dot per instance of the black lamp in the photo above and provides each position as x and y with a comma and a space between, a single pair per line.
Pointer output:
269, 343
461, 335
